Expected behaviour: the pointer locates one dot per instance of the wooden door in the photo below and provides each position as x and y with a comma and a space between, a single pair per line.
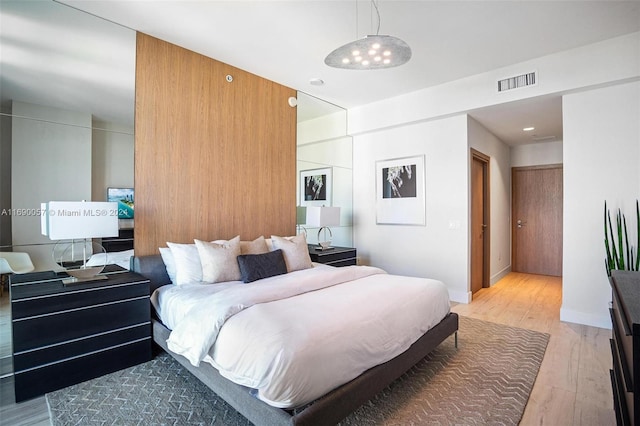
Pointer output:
537, 220
479, 221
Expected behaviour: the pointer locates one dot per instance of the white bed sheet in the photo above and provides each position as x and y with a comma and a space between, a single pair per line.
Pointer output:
298, 348
120, 258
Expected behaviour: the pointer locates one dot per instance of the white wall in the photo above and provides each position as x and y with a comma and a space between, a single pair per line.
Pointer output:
407, 124
536, 154
500, 197
111, 158
435, 250
601, 152
50, 161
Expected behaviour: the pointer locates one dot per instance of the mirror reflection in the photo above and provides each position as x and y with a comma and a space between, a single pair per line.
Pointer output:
324, 167
66, 124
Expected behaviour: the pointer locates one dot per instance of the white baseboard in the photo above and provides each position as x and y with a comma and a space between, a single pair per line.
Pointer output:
500, 275
584, 318
460, 296
466, 296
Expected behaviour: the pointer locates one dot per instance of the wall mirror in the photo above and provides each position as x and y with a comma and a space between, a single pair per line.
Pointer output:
325, 153
66, 115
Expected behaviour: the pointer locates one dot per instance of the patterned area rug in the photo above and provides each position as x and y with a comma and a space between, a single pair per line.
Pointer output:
486, 380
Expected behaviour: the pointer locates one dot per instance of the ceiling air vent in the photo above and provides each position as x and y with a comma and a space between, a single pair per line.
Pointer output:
524, 80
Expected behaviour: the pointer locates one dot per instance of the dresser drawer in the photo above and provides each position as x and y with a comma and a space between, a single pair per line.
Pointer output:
38, 381
621, 398
66, 350
38, 305
337, 256
623, 343
344, 262
622, 416
62, 326
329, 256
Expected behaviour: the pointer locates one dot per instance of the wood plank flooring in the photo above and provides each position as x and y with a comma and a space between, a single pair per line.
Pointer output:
572, 387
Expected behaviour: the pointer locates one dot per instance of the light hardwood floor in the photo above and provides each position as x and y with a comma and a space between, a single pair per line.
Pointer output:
572, 387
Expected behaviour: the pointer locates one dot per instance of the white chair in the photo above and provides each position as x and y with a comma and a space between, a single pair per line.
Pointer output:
12, 262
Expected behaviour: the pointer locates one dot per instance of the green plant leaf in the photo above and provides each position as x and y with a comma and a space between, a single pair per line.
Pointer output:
614, 254
620, 243
626, 239
620, 253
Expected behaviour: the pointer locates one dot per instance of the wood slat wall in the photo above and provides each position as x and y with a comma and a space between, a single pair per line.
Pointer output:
213, 159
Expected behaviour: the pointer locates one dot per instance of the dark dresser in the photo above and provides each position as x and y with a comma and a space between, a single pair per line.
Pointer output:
124, 241
64, 335
625, 346
335, 256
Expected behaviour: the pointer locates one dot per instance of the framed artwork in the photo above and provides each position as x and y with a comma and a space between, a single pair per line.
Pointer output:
124, 198
316, 187
400, 191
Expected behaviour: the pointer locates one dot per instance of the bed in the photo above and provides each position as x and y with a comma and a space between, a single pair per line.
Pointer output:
311, 407
120, 258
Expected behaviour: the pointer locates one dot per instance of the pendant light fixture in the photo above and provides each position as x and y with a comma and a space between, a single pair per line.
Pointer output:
370, 53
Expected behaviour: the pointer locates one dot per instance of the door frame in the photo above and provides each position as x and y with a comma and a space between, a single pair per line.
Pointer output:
486, 215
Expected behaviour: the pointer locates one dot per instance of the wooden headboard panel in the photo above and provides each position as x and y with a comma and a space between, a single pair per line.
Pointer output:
213, 158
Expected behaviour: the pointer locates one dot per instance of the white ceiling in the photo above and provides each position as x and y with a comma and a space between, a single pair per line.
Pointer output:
286, 41
51, 54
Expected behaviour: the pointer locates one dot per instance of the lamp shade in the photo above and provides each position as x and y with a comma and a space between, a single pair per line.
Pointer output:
323, 216
67, 220
301, 215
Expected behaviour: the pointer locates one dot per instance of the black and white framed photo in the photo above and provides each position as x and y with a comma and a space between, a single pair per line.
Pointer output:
400, 191
316, 187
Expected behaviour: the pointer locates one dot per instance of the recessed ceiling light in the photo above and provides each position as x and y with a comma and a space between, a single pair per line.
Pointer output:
316, 82
528, 129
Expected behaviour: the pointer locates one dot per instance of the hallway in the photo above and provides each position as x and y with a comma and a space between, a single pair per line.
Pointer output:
573, 385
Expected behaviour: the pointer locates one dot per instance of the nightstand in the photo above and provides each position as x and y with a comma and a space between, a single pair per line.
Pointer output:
335, 256
63, 335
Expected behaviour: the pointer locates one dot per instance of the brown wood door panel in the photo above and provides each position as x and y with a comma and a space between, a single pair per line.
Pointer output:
477, 220
480, 247
537, 220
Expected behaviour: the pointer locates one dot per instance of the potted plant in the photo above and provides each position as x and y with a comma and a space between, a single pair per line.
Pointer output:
620, 253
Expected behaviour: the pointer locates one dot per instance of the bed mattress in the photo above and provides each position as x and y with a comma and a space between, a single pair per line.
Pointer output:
295, 337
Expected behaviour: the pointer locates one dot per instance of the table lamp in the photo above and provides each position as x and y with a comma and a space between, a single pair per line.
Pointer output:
74, 224
301, 219
323, 217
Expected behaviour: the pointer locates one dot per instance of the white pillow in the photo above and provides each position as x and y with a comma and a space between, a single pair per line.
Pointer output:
270, 243
169, 262
187, 263
257, 246
295, 251
219, 261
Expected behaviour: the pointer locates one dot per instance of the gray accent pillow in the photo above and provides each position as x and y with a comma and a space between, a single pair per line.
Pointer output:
255, 267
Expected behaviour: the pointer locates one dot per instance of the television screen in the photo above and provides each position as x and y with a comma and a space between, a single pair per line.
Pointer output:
124, 197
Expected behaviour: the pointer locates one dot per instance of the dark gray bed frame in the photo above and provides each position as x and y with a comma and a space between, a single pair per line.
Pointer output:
327, 410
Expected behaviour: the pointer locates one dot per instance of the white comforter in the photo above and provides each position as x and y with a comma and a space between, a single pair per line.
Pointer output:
293, 343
